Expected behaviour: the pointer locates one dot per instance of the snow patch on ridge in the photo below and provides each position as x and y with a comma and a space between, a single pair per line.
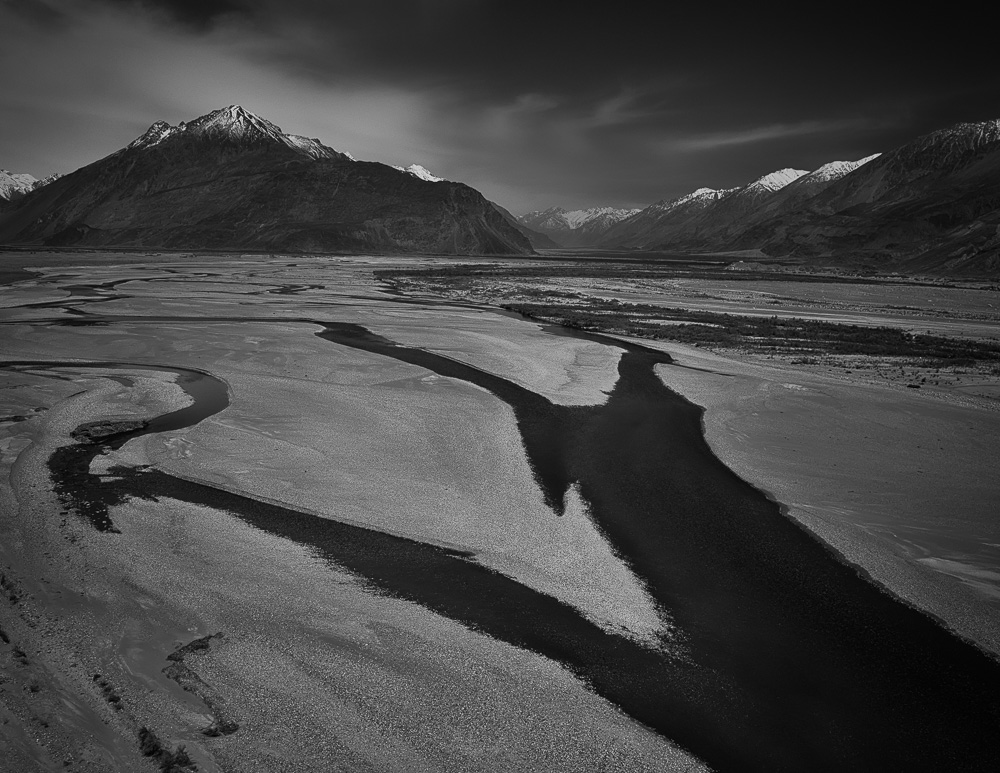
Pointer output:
421, 172
702, 196
837, 169
580, 217
775, 181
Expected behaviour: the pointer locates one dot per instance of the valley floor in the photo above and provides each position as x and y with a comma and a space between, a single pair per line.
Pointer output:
317, 668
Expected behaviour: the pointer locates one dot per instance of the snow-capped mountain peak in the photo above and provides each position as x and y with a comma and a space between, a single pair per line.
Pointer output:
421, 172
954, 145
154, 135
703, 194
558, 219
578, 218
235, 125
234, 121
696, 197
17, 177
578, 227
775, 181
14, 185
837, 169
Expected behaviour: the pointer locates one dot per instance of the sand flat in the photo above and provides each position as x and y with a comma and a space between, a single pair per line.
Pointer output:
315, 666
311, 660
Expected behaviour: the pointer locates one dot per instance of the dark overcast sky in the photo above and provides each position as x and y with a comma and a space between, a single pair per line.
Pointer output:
535, 104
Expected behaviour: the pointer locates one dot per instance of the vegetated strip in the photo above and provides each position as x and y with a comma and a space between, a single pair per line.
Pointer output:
611, 316
181, 672
464, 276
756, 333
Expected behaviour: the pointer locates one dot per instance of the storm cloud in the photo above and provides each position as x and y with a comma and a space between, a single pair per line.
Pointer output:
535, 104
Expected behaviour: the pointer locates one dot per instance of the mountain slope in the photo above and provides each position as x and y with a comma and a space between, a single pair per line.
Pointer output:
799, 191
232, 180
659, 221
537, 239
704, 219
931, 204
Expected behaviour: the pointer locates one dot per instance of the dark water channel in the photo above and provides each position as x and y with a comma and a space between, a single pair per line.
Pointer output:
91, 496
791, 660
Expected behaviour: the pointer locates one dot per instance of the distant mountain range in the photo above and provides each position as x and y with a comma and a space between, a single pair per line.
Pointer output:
233, 180
932, 205
578, 228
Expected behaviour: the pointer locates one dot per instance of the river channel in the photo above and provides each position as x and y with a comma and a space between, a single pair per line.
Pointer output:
785, 658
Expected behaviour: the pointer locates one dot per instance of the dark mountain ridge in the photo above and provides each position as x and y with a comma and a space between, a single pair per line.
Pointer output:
932, 205
232, 180
663, 219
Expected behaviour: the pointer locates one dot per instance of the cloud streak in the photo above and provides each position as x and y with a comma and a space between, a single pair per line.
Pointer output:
763, 134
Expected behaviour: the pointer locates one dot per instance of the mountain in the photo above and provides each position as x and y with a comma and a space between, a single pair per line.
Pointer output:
658, 221
797, 192
14, 186
537, 239
930, 205
704, 219
725, 217
576, 228
233, 180
421, 173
